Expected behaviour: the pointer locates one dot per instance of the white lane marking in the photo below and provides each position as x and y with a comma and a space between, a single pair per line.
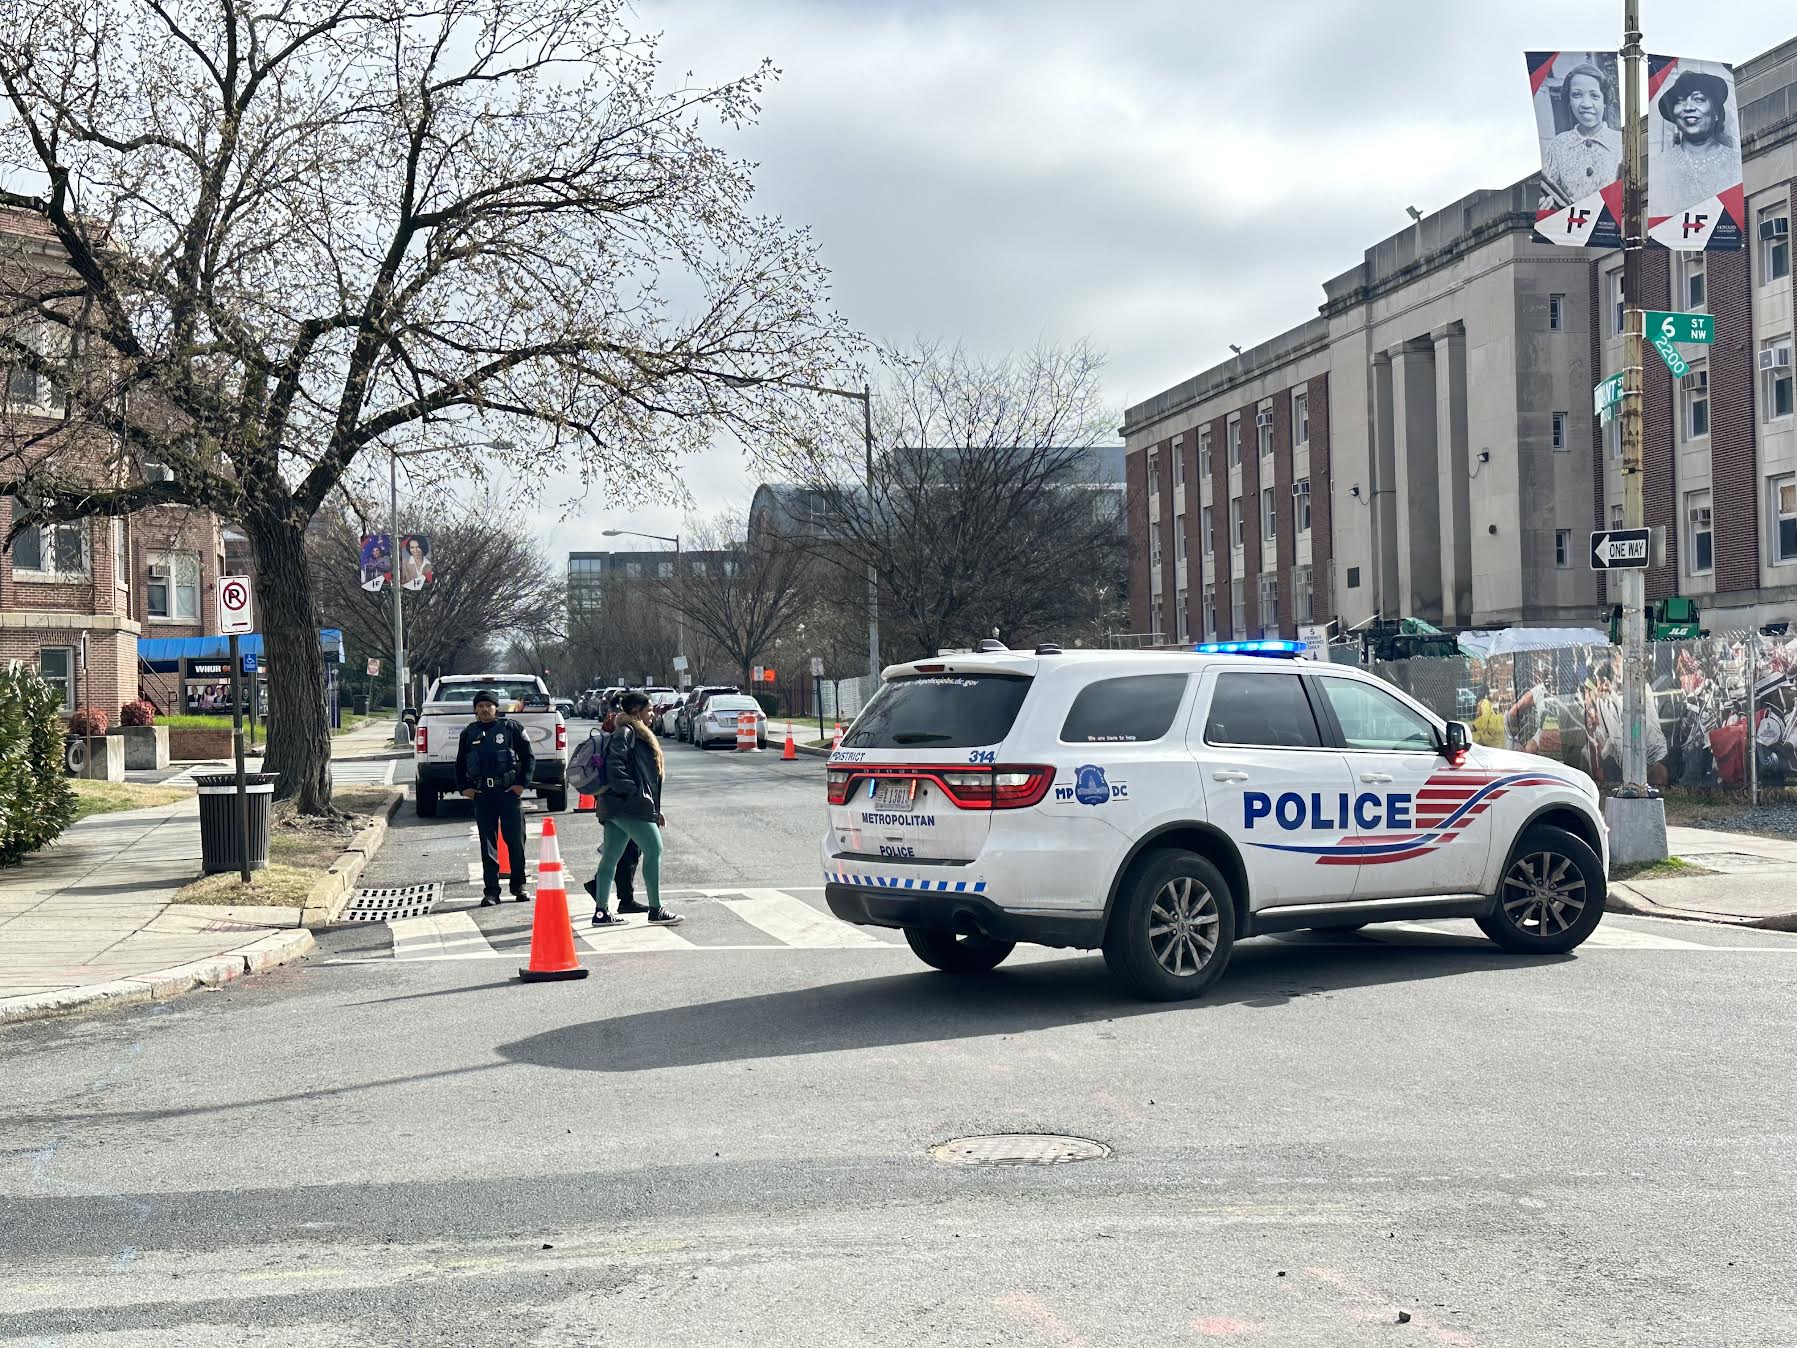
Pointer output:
634, 939
795, 922
1607, 937
439, 936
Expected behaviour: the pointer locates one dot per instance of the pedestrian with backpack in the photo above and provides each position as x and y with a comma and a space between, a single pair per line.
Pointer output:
631, 807
586, 774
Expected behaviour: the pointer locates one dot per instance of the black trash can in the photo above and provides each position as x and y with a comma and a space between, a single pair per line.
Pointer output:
220, 847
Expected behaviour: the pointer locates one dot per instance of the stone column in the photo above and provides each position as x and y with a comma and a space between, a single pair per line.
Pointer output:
1380, 489
1418, 481
1455, 474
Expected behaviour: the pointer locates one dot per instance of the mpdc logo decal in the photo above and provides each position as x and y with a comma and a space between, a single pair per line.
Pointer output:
1089, 785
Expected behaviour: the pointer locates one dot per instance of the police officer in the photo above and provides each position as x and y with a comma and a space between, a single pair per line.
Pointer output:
492, 763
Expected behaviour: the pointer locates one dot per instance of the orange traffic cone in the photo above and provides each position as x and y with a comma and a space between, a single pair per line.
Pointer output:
551, 933
836, 743
586, 803
791, 751
505, 855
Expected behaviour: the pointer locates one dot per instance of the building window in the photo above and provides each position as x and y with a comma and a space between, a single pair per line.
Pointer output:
1617, 303
1234, 432
1179, 538
26, 389
1695, 388
1613, 436
1353, 578
1183, 626
1238, 608
1775, 378
1235, 521
1616, 517
1301, 504
53, 550
174, 587
1207, 528
1302, 601
1269, 517
1263, 432
1204, 453
1775, 245
57, 665
1556, 312
1269, 606
1154, 549
633, 570
1560, 430
1700, 542
1301, 418
1563, 548
1210, 613
121, 570
1697, 291
1784, 518
1154, 477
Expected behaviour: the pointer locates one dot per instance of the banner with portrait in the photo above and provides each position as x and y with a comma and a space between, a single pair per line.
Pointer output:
414, 560
1578, 120
1695, 196
377, 561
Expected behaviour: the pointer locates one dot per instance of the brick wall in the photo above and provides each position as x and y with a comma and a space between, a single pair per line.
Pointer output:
1219, 487
1135, 476
1250, 522
1321, 521
1286, 543
176, 530
1734, 496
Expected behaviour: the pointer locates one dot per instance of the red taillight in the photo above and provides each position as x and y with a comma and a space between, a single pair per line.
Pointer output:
1004, 787
561, 734
420, 739
838, 781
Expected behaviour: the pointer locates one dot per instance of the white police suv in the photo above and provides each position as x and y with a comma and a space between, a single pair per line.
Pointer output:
1164, 805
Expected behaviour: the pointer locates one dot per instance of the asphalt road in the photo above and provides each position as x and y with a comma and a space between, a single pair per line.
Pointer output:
729, 1143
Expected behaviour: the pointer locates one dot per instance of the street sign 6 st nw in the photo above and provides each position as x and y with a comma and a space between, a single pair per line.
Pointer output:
1674, 327
1620, 549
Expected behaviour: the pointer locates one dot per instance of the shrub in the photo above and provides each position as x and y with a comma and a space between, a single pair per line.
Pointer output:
36, 801
138, 713
88, 721
770, 703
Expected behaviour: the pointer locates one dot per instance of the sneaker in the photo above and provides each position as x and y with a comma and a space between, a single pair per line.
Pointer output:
519, 896
631, 906
605, 919
665, 917
488, 900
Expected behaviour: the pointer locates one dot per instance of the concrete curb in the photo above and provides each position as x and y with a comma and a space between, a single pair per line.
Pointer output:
327, 899
1624, 898
266, 952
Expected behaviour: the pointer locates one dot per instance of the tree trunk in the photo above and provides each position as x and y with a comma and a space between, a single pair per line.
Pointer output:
299, 734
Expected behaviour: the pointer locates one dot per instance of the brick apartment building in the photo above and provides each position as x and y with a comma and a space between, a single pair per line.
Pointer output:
76, 598
1426, 446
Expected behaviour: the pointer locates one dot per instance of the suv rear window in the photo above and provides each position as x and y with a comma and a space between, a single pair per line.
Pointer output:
940, 711
507, 693
1132, 710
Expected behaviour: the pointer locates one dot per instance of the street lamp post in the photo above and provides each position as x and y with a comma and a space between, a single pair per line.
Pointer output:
679, 580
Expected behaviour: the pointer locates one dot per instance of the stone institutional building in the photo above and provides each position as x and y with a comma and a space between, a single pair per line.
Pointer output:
1426, 445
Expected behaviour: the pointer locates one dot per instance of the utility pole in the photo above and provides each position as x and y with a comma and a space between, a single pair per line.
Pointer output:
402, 733
1635, 813
873, 569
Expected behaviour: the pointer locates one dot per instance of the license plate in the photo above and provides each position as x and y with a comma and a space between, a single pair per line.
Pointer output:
896, 795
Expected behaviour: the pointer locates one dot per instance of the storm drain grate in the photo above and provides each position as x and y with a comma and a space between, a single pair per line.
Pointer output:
388, 905
1019, 1149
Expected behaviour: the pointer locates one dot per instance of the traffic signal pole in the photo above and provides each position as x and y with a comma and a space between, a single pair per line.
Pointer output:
1635, 813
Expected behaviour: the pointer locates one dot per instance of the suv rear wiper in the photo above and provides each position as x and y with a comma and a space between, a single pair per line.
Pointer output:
918, 736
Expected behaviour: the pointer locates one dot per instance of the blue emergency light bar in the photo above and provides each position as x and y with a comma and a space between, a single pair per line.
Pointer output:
1282, 650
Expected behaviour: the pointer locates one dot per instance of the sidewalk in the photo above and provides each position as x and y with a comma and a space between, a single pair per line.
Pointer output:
89, 921
1755, 884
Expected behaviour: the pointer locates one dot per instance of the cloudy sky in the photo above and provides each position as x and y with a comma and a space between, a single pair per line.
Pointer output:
1162, 176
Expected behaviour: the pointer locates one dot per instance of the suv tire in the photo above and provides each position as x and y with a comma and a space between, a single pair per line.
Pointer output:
427, 802
1171, 904
1551, 896
555, 801
955, 954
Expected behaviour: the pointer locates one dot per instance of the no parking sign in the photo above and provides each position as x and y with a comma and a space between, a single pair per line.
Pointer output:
234, 616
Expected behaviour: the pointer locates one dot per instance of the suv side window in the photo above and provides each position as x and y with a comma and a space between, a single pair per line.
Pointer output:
1133, 710
1269, 710
1373, 719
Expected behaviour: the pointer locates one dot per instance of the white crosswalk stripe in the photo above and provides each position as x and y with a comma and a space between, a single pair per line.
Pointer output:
439, 936
795, 923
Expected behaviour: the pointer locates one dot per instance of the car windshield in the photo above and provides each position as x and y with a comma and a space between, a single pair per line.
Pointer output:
946, 711
508, 692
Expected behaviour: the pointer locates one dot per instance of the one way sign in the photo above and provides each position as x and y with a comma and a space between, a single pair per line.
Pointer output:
1619, 549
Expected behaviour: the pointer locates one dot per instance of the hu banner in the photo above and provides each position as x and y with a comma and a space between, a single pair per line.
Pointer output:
377, 561
1695, 198
1578, 119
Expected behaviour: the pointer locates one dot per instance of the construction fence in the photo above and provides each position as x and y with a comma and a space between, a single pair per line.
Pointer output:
1566, 704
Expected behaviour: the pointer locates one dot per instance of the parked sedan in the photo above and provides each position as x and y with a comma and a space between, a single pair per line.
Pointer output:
716, 724
694, 706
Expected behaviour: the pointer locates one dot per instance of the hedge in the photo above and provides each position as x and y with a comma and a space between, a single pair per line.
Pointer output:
36, 801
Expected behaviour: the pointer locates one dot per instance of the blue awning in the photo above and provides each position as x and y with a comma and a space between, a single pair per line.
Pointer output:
165, 654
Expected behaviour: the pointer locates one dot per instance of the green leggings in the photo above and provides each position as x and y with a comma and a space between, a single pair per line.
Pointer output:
619, 834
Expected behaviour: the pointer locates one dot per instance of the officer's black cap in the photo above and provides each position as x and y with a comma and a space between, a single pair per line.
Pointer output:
486, 695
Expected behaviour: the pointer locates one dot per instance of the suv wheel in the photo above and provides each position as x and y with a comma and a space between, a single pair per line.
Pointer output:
1172, 928
1552, 896
427, 801
954, 954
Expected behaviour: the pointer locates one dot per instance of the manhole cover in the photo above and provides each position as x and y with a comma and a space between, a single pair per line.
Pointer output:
387, 905
1018, 1149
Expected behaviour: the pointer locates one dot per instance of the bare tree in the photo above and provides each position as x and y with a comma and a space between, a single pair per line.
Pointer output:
299, 232
489, 581
743, 600
989, 506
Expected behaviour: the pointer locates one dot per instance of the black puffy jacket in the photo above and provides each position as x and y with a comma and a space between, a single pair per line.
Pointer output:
632, 777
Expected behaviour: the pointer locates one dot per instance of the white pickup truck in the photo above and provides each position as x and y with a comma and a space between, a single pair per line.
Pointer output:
449, 706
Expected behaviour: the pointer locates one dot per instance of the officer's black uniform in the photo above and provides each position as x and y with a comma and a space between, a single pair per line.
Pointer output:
490, 760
